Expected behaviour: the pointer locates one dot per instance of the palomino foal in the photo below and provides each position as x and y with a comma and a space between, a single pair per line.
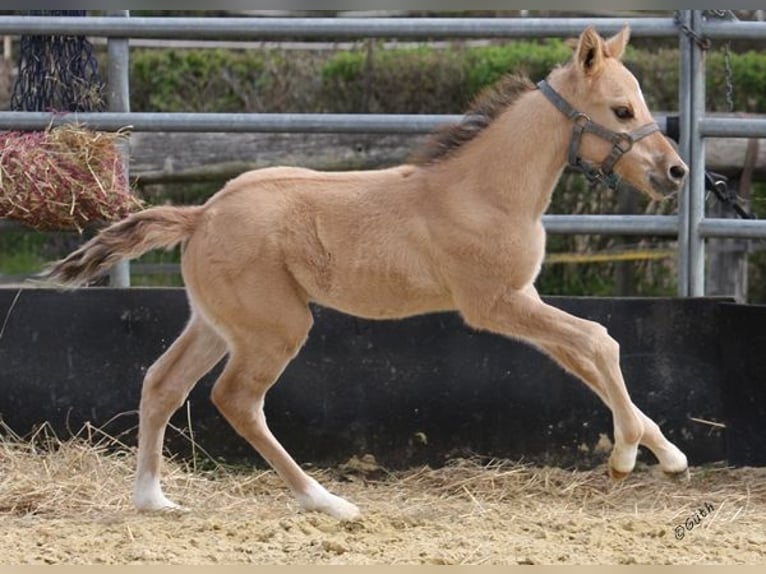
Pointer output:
459, 228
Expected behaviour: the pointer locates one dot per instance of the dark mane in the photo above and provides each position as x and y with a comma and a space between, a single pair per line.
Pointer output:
489, 104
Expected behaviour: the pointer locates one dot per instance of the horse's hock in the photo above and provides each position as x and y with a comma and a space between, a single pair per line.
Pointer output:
421, 390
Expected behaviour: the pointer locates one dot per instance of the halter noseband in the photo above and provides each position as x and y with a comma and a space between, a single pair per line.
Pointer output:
621, 142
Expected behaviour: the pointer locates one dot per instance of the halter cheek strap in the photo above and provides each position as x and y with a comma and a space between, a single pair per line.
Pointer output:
621, 142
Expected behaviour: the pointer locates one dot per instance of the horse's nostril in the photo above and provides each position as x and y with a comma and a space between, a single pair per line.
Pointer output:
677, 172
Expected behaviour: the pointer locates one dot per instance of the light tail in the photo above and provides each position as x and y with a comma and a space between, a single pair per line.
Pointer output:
153, 228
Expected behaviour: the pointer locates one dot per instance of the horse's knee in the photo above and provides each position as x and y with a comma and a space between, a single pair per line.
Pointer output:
599, 344
600, 339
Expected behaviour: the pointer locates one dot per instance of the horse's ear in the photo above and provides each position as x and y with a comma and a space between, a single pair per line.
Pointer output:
590, 52
615, 46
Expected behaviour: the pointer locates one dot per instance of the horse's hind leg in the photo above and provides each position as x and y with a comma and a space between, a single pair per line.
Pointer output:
259, 354
166, 385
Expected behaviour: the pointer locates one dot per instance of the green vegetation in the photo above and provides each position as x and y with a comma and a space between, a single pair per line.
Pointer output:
20, 252
194, 80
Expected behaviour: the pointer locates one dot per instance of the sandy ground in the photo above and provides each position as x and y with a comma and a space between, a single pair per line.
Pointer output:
72, 506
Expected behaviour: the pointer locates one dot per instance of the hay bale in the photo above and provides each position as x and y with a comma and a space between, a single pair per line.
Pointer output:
63, 178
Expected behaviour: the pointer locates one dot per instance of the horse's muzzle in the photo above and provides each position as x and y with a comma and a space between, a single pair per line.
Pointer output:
670, 181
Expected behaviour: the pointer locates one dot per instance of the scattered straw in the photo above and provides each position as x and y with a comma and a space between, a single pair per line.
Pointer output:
70, 501
63, 178
92, 472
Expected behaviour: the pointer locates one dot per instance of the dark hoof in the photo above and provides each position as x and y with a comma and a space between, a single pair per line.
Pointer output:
617, 475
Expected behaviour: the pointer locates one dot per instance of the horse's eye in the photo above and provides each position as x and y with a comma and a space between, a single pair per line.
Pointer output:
623, 113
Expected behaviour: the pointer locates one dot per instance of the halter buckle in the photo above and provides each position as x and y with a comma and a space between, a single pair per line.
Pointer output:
623, 141
581, 120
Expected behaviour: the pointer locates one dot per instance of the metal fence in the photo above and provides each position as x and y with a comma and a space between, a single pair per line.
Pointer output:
691, 226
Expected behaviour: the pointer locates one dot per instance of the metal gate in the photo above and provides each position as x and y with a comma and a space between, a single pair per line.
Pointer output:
691, 27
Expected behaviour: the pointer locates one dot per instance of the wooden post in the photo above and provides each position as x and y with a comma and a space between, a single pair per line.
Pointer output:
726, 267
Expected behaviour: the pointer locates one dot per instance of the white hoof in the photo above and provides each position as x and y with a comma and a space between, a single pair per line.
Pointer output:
149, 498
161, 504
316, 498
673, 461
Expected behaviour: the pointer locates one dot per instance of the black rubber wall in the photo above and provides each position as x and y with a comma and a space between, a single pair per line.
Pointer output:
414, 391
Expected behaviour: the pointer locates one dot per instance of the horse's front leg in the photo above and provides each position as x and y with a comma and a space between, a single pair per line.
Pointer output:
671, 459
585, 349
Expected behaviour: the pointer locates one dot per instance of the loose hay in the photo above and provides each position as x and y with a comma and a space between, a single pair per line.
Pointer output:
69, 502
63, 178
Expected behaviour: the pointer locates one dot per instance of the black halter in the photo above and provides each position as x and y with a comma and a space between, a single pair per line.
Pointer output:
621, 141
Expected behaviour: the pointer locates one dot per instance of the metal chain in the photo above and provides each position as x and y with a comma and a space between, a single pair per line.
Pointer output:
728, 73
701, 41
705, 44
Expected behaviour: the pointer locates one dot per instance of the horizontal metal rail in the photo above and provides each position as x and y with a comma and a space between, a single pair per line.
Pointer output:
612, 224
734, 228
750, 127
720, 29
240, 122
273, 28
231, 122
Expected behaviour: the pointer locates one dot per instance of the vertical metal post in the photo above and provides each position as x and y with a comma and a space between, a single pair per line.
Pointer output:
697, 164
684, 113
119, 101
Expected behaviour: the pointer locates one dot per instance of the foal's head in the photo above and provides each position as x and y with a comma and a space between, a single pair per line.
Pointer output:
598, 85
